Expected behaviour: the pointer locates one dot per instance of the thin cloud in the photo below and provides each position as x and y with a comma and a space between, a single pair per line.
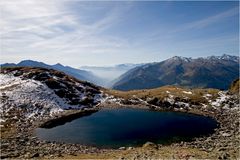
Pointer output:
32, 28
167, 34
208, 21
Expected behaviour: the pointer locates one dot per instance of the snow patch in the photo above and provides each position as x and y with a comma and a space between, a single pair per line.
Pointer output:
34, 97
222, 98
2, 120
187, 92
182, 104
207, 96
170, 99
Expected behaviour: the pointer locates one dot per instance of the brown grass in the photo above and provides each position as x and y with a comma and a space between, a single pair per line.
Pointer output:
8, 130
161, 93
234, 88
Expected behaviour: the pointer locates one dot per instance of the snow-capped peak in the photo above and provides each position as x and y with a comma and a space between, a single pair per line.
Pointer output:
185, 59
224, 57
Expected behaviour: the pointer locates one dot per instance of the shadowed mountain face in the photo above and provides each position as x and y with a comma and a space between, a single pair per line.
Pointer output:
77, 73
211, 72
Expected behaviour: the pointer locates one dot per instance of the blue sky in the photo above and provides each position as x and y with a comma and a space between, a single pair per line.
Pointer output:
79, 33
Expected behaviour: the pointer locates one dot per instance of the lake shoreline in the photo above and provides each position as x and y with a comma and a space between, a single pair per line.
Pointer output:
12, 146
120, 124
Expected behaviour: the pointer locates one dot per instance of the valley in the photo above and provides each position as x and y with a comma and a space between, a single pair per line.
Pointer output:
109, 74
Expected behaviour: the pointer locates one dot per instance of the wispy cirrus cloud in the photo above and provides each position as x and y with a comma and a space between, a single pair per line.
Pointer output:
37, 29
198, 24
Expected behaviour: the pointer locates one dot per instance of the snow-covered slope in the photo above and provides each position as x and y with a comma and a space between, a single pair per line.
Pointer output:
38, 92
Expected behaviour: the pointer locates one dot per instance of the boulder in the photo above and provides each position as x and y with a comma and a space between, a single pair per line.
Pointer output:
150, 145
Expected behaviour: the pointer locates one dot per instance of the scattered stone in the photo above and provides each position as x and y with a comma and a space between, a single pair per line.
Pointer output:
35, 155
129, 148
226, 135
150, 145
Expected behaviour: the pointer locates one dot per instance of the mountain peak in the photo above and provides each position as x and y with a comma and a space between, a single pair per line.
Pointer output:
180, 58
58, 65
224, 57
31, 63
189, 59
28, 61
229, 57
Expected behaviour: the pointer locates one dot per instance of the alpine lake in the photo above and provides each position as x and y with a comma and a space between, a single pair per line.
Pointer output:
114, 128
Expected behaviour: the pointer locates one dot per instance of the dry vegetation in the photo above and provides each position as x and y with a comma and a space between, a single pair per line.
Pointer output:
163, 92
8, 130
234, 88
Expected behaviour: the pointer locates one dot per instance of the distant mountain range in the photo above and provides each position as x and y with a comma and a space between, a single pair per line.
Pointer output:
210, 72
110, 73
77, 73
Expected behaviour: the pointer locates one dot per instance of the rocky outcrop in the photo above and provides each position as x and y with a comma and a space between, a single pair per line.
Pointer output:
30, 94
150, 145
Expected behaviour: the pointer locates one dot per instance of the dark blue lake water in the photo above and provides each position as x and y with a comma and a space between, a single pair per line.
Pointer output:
113, 128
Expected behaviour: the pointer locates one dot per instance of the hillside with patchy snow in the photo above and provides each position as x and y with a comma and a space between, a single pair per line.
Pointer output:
38, 92
33, 97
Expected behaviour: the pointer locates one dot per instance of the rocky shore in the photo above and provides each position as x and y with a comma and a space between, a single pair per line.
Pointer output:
23, 143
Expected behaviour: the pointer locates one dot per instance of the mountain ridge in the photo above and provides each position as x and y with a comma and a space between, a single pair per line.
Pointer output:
77, 73
210, 72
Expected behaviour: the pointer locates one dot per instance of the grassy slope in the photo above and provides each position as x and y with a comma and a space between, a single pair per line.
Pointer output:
234, 88
163, 92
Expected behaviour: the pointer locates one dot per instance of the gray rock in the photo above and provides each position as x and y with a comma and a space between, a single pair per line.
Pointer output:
129, 148
226, 135
150, 145
122, 148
